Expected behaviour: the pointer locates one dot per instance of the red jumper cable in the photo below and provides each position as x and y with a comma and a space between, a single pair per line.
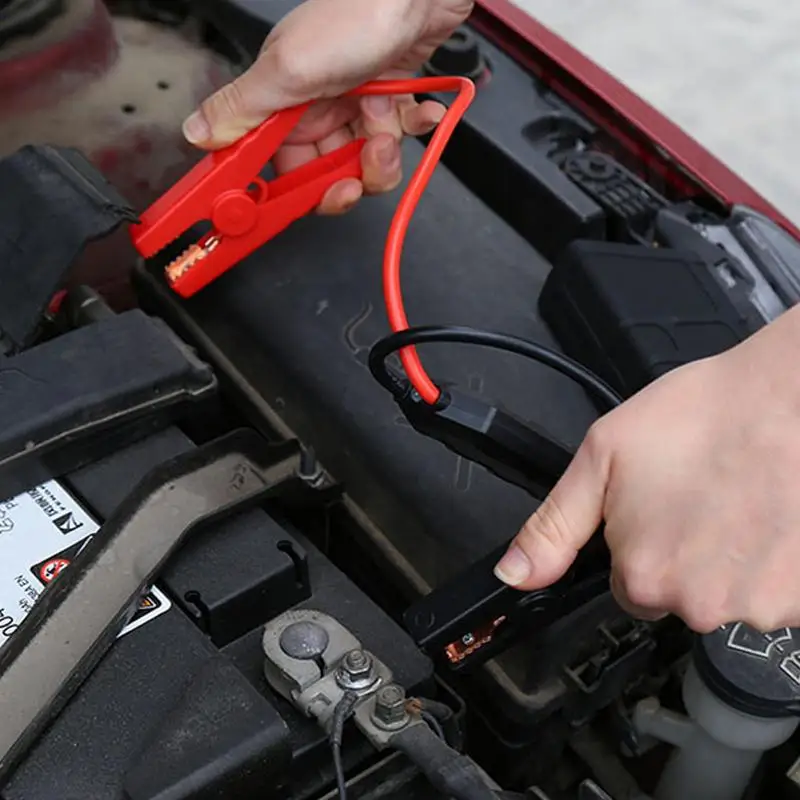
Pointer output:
246, 211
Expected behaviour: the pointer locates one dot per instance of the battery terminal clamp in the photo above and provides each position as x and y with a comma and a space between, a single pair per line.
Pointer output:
319, 666
76, 621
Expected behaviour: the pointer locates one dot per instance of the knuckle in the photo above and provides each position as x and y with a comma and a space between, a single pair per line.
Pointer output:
702, 618
763, 614
597, 441
704, 609
640, 582
288, 66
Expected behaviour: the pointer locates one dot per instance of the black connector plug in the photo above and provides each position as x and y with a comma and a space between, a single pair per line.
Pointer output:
515, 451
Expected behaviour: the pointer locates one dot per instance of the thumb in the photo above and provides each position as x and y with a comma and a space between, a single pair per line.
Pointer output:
240, 106
549, 541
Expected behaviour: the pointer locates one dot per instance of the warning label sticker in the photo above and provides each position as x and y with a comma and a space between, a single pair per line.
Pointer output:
41, 532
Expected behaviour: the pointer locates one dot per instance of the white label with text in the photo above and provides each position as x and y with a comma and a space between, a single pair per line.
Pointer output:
41, 533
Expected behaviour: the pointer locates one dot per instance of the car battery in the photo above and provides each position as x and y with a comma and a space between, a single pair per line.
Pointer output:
180, 707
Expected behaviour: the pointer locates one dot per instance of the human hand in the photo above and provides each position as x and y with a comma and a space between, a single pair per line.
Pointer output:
698, 480
319, 51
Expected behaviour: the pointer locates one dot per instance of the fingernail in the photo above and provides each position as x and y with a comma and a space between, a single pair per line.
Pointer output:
377, 106
514, 567
389, 154
196, 128
437, 114
349, 203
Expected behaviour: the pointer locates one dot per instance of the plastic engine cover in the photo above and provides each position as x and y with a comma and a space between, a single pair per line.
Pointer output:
297, 319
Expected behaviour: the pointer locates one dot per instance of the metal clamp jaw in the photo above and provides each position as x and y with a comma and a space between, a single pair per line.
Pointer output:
313, 661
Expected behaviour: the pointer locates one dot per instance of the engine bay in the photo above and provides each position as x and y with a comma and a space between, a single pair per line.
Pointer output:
300, 546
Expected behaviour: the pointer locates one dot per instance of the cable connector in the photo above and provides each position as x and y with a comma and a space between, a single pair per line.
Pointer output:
515, 451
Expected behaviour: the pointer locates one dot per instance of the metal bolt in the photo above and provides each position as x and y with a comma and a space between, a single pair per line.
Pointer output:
390, 707
356, 671
357, 662
304, 640
310, 470
468, 639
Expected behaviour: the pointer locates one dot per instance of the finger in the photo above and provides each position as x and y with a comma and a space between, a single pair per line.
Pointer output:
292, 156
341, 197
549, 541
631, 609
380, 115
382, 164
268, 86
339, 138
420, 119
323, 118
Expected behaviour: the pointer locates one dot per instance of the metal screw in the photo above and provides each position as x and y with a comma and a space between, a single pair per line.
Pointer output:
468, 639
356, 671
390, 707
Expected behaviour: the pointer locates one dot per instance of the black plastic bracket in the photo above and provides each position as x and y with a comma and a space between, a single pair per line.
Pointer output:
78, 397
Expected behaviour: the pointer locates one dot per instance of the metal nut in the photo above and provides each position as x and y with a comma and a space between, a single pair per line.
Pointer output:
357, 662
356, 671
390, 707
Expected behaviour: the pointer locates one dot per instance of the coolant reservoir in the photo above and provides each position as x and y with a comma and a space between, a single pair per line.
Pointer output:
742, 696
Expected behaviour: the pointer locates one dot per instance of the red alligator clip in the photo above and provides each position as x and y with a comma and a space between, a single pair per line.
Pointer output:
244, 210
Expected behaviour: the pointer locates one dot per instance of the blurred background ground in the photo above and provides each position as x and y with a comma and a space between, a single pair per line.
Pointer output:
727, 71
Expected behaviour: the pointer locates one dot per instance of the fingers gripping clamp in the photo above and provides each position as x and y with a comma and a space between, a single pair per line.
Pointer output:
225, 189
245, 211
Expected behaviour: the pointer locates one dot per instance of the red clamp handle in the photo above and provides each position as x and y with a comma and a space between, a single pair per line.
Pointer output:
243, 220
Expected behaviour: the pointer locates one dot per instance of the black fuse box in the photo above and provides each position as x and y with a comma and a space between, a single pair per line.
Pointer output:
179, 708
633, 313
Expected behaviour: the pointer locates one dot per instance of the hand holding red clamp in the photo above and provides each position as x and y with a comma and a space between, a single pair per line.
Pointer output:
246, 211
